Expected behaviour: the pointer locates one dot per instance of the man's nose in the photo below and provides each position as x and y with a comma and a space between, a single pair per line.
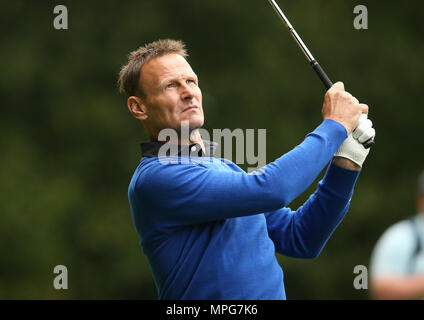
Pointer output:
187, 92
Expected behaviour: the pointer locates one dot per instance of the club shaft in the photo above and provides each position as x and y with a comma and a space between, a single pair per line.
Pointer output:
314, 64
292, 31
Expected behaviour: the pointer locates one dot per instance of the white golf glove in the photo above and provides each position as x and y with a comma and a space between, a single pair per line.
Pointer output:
352, 147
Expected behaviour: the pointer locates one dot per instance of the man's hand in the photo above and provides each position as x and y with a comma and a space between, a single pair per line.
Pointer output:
342, 107
352, 147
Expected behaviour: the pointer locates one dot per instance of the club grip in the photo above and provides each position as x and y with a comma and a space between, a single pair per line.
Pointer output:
321, 74
367, 144
327, 83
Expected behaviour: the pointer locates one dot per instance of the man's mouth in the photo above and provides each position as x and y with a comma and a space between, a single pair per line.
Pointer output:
190, 108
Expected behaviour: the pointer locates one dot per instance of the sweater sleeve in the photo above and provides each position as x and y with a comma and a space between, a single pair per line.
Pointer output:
303, 233
183, 194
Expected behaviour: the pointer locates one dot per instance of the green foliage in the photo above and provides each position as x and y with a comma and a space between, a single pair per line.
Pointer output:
69, 145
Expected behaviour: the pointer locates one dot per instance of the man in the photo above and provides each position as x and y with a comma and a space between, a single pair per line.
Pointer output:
397, 261
210, 230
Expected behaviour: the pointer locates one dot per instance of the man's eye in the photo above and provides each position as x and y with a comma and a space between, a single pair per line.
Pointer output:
191, 81
171, 85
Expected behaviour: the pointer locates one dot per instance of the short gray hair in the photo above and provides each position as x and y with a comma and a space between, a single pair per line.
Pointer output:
129, 76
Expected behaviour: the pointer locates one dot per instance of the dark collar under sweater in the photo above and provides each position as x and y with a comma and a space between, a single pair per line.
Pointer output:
152, 149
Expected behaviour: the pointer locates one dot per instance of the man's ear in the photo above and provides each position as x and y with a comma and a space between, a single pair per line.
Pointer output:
137, 108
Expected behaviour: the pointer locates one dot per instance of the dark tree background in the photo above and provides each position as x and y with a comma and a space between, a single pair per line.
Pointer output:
69, 145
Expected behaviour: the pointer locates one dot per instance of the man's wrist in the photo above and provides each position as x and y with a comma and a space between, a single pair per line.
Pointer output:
340, 180
346, 163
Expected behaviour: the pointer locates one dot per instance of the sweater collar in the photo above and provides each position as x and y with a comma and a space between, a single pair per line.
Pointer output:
152, 148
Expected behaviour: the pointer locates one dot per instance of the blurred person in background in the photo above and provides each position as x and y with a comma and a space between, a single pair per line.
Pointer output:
397, 261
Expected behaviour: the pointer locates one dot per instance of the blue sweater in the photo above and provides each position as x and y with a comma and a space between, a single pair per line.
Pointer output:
211, 231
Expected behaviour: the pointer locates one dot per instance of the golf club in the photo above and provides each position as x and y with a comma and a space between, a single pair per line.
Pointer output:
314, 63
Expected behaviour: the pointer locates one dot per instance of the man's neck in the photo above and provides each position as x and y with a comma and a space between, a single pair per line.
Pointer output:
194, 137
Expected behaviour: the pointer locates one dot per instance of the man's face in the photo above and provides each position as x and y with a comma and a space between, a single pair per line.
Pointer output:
172, 94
